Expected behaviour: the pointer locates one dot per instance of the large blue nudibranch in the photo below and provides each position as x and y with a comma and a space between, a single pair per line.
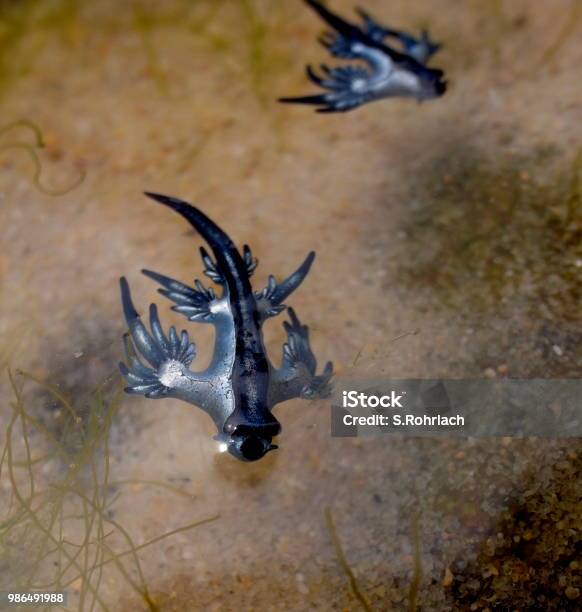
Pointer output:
390, 72
240, 387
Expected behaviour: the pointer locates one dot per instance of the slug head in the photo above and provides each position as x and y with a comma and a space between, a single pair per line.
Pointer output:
434, 85
249, 447
249, 439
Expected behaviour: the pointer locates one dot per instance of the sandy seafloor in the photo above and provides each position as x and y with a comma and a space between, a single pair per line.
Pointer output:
457, 219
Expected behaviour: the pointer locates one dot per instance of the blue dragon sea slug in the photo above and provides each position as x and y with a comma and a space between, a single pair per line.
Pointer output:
241, 386
390, 72
421, 49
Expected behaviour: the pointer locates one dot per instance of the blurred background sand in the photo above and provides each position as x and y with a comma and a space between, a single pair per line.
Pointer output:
454, 223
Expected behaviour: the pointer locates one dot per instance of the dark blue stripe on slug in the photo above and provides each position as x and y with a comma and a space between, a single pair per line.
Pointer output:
250, 376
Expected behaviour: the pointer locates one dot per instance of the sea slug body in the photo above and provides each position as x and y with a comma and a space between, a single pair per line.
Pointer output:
241, 386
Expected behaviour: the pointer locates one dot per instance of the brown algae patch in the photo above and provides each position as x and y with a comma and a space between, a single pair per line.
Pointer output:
74, 389
491, 235
28, 19
533, 560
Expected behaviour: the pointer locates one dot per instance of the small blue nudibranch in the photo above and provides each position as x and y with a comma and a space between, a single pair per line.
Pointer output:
391, 73
240, 387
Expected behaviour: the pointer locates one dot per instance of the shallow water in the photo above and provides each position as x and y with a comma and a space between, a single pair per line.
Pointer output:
448, 245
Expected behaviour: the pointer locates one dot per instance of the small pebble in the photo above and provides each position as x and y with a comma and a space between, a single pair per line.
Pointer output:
448, 578
572, 592
302, 588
